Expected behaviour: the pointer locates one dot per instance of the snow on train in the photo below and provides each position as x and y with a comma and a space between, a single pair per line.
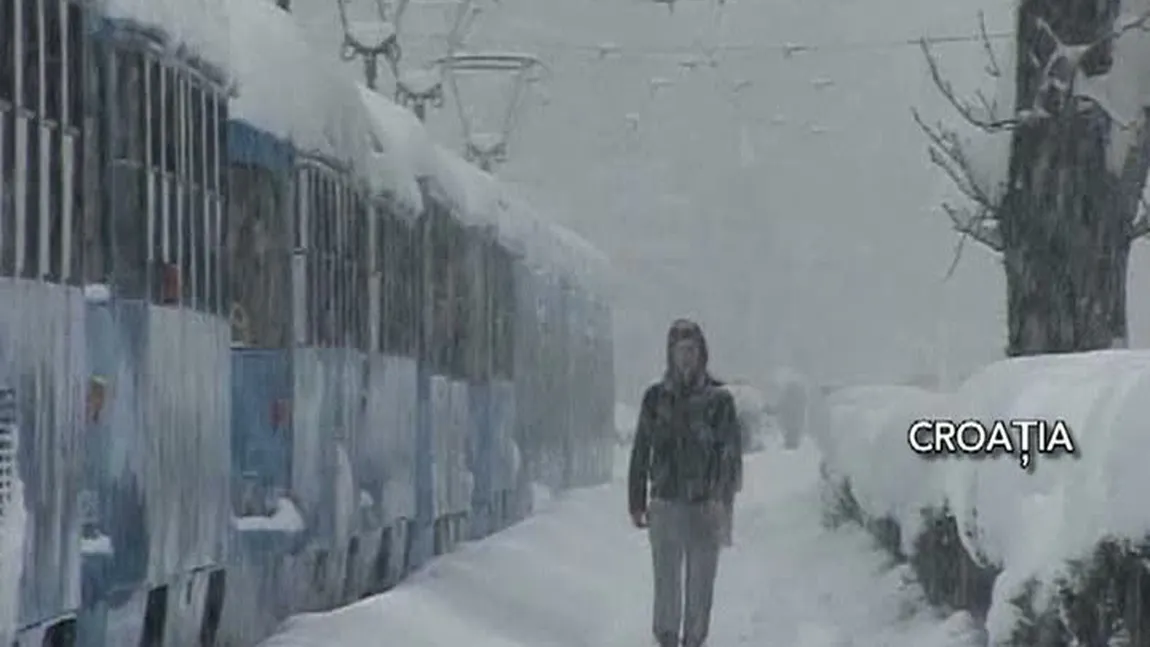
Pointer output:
264, 347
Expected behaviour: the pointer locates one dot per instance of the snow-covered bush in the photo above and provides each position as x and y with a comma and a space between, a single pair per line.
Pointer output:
798, 406
754, 421
1052, 555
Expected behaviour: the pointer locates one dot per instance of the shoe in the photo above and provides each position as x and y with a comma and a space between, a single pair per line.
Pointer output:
666, 640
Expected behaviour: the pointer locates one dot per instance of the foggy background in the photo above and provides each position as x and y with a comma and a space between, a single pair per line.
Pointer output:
797, 218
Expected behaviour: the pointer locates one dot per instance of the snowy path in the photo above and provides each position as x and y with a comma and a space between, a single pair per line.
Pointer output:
576, 575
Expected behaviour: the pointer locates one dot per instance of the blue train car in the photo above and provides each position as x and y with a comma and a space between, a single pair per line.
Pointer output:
306, 360
158, 452
43, 368
385, 460
325, 331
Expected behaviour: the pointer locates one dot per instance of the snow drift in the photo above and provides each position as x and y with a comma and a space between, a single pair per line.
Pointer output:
1028, 525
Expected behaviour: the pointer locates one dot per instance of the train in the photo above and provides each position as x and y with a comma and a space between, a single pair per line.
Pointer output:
265, 347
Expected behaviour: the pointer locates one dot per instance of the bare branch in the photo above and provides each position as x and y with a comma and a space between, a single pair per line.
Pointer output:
992, 64
991, 107
978, 226
1140, 228
957, 256
1045, 28
1141, 225
966, 111
947, 153
1141, 23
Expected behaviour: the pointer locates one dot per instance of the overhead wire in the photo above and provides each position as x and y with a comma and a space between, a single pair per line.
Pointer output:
611, 50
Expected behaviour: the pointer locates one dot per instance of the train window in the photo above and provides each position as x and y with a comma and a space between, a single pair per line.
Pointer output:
29, 265
510, 314
333, 319
196, 127
471, 335
332, 262
170, 121
129, 230
183, 132
301, 295
188, 245
406, 314
439, 285
353, 295
97, 227
315, 283
168, 276
322, 252
204, 242
130, 96
462, 337
56, 221
211, 140
381, 275
53, 61
74, 208
339, 263
8, 51
200, 233
399, 280
388, 259
155, 121
77, 52
7, 191
495, 286
342, 264
30, 28
221, 146
361, 264
257, 250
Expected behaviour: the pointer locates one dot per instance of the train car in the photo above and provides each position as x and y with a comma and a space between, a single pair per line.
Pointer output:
156, 480
313, 351
305, 280
43, 364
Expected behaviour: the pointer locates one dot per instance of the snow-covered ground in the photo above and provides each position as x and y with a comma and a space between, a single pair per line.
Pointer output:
578, 575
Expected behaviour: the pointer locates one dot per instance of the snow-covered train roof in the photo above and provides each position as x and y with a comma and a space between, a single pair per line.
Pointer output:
479, 199
197, 26
290, 90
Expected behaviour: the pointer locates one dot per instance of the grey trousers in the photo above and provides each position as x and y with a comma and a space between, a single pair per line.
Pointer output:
684, 541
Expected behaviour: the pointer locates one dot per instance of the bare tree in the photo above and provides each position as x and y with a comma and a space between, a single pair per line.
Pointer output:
1069, 207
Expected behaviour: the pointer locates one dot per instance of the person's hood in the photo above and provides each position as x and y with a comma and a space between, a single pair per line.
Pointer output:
686, 329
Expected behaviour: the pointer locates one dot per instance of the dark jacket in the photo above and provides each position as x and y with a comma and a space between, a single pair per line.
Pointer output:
688, 445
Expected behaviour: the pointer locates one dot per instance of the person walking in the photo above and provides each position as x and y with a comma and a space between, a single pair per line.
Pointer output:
685, 468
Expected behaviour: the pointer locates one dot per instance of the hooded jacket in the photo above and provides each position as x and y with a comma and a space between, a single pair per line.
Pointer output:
687, 447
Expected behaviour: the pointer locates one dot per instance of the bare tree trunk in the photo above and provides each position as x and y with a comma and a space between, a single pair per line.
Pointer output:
1067, 219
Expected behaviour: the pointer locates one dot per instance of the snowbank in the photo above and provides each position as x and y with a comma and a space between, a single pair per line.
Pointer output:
286, 518
198, 26
1028, 524
291, 90
798, 404
751, 407
580, 576
866, 444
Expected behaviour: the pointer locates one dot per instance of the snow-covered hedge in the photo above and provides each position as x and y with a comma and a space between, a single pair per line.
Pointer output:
1065, 542
755, 420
